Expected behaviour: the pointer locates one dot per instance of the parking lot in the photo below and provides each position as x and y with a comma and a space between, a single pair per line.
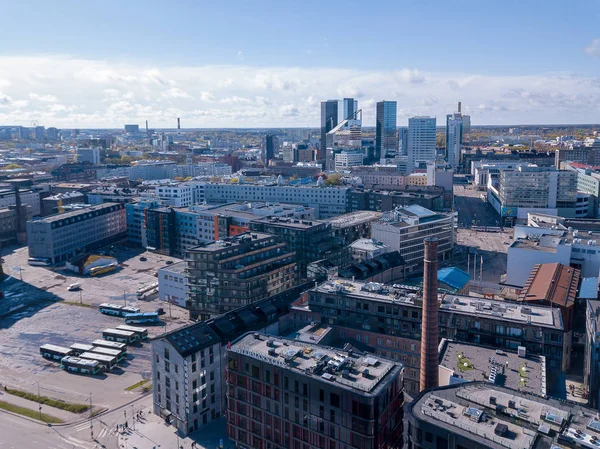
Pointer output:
472, 209
38, 309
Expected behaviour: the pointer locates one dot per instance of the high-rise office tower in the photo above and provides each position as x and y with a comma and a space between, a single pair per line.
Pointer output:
333, 112
421, 141
454, 132
385, 132
402, 141
271, 144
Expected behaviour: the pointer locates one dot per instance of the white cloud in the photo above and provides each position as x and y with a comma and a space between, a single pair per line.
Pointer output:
240, 55
594, 48
44, 98
92, 93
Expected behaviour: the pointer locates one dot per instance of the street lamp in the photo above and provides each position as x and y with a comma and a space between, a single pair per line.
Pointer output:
91, 416
39, 400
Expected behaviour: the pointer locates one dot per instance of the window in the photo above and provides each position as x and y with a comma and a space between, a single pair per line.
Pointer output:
334, 400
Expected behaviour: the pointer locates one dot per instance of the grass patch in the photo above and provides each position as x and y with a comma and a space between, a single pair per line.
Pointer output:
56, 403
30, 413
137, 385
464, 364
79, 304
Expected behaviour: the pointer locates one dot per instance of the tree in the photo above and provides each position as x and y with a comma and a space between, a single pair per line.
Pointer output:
11, 167
333, 180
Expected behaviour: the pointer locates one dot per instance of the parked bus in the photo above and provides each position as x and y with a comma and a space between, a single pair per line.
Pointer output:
54, 352
38, 261
77, 365
141, 318
119, 355
79, 348
139, 332
110, 345
117, 310
144, 292
97, 271
106, 362
119, 335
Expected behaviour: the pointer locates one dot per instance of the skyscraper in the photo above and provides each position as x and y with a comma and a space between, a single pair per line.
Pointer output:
271, 144
402, 141
421, 141
385, 133
454, 132
333, 112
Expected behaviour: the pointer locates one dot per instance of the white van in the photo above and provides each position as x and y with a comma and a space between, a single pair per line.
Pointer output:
75, 286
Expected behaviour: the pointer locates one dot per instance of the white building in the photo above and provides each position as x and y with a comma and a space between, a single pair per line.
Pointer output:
177, 196
404, 229
172, 284
347, 159
7, 198
91, 155
547, 243
421, 141
367, 249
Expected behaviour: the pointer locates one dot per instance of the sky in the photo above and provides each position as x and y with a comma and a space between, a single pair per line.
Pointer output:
266, 63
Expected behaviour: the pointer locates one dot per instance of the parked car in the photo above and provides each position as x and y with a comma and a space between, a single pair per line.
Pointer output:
160, 311
143, 259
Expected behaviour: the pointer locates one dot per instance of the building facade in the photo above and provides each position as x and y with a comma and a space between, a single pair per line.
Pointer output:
421, 141
454, 136
59, 237
287, 394
172, 284
237, 271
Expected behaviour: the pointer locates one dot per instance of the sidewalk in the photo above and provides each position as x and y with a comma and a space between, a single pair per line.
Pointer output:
153, 432
67, 417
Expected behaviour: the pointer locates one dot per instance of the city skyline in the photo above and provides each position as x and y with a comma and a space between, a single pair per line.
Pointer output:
518, 64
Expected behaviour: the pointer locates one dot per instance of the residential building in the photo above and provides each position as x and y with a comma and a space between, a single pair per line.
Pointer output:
309, 240
454, 137
429, 197
416, 179
404, 229
588, 154
482, 415
591, 361
179, 195
421, 141
88, 155
9, 229
135, 219
530, 188
271, 147
159, 230
310, 396
379, 177
353, 226
59, 237
347, 159
172, 284
466, 362
385, 130
362, 250
237, 271
387, 320
189, 390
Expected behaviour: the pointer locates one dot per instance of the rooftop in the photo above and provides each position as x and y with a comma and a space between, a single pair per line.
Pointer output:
454, 277
353, 218
551, 282
78, 212
178, 268
367, 374
238, 240
533, 245
367, 244
499, 417
471, 363
464, 305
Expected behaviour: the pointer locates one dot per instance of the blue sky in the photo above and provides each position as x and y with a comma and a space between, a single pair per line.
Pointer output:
268, 63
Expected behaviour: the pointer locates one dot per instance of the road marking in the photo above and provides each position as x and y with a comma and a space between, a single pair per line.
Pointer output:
83, 426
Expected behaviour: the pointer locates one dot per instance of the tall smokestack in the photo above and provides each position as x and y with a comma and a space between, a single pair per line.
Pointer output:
429, 326
146, 126
178, 123
459, 107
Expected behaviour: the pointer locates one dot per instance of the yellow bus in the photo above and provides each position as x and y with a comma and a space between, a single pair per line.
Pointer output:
96, 271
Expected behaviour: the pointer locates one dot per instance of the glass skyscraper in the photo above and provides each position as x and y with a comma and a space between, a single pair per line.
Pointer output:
385, 132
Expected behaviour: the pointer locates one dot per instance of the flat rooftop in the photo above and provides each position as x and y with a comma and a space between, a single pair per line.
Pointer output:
354, 218
499, 418
464, 305
176, 268
526, 374
533, 245
82, 211
366, 374
240, 239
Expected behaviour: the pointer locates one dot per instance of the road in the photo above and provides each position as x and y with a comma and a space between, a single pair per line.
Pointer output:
472, 209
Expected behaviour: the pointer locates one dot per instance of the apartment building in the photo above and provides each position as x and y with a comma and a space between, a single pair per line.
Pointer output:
430, 197
311, 240
354, 225
404, 229
387, 320
59, 237
172, 284
591, 363
28, 197
135, 213
237, 271
288, 394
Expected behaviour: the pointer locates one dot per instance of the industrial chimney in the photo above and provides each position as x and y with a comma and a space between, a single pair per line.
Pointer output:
459, 105
178, 123
429, 323
146, 126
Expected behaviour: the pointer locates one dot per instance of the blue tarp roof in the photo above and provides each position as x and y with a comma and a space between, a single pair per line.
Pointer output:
589, 288
454, 277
